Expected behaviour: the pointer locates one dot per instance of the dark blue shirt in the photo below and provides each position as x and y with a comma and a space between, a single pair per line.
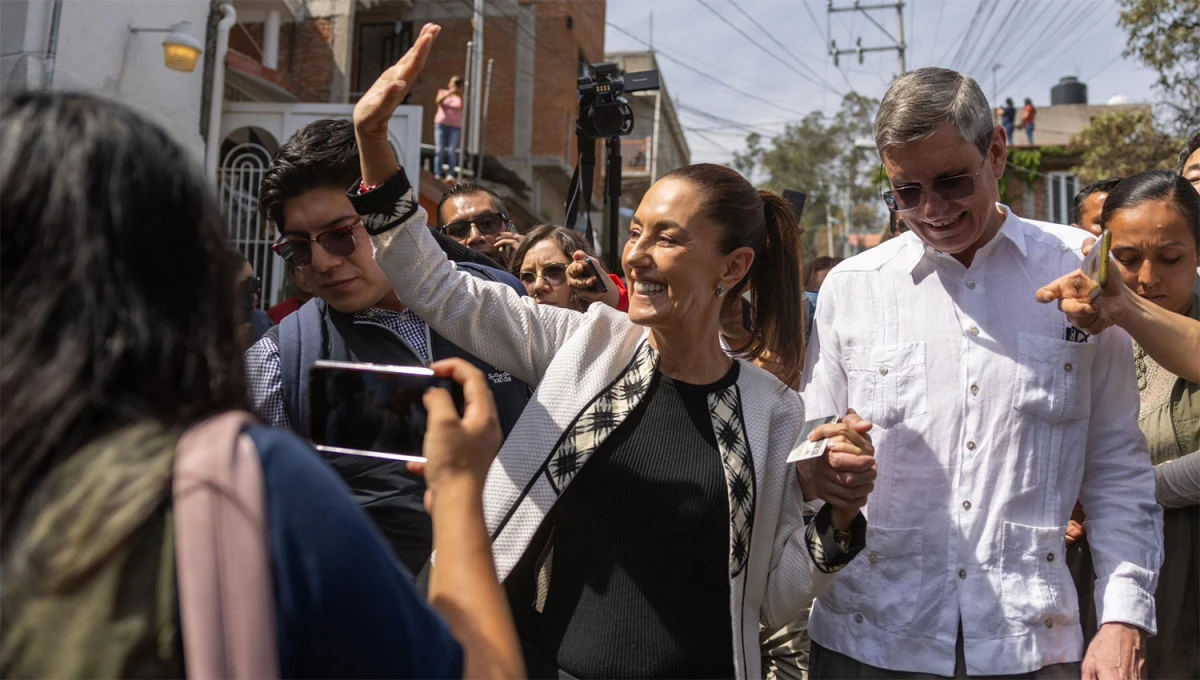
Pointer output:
345, 608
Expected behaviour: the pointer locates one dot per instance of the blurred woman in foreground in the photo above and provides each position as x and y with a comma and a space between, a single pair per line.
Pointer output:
118, 333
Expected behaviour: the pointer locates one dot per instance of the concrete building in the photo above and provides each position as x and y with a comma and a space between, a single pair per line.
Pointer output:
1051, 194
264, 69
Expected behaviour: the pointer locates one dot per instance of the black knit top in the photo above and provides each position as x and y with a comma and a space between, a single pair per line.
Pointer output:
639, 584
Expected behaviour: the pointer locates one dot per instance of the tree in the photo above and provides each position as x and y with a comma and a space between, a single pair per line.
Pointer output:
1123, 143
820, 158
1165, 35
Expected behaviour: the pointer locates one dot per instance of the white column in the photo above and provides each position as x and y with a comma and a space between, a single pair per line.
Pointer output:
270, 44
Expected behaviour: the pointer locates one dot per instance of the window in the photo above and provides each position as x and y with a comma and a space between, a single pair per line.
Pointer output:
379, 46
1063, 187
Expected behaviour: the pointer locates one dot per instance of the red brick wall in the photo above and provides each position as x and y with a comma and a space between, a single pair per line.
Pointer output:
554, 102
304, 52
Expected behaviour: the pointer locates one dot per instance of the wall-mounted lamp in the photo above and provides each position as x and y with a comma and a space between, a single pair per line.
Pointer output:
181, 50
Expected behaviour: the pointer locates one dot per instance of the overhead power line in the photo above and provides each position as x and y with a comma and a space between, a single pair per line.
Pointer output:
776, 57
783, 47
708, 77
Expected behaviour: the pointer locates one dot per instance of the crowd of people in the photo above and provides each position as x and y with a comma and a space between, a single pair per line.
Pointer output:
1002, 487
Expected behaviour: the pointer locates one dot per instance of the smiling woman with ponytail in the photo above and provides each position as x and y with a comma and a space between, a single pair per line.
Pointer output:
643, 514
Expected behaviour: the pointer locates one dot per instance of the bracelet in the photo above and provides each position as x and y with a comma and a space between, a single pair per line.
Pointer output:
363, 187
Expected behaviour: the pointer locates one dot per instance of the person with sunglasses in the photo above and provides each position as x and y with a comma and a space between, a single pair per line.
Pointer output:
993, 416
552, 277
644, 517
474, 216
354, 316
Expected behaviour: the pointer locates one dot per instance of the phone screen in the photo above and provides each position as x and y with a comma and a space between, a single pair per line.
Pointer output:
371, 409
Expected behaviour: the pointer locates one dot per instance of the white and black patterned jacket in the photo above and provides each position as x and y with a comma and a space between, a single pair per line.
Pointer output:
591, 370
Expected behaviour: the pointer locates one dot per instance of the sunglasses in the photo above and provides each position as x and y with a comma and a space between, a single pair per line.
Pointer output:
910, 197
297, 252
487, 224
554, 274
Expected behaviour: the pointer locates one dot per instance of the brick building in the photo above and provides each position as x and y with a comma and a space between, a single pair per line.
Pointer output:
1051, 193
332, 50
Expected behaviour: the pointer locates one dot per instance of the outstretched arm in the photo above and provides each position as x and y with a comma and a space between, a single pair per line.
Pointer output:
487, 319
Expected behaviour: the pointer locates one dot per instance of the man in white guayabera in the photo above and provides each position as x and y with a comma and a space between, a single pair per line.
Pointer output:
992, 416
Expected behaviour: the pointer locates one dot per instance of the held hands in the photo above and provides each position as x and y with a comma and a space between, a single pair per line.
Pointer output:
581, 281
459, 450
1074, 293
845, 475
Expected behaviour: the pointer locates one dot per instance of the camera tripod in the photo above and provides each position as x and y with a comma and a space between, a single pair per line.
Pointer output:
581, 192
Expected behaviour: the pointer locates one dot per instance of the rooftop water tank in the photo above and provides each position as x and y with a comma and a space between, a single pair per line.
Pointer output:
1068, 91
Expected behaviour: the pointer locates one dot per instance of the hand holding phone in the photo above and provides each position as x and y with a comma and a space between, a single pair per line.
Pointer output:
1097, 263
459, 447
371, 410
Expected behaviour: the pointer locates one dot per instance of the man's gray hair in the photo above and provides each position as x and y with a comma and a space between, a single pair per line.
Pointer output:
921, 101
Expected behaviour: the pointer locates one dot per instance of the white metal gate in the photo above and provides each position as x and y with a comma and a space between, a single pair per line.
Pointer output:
239, 177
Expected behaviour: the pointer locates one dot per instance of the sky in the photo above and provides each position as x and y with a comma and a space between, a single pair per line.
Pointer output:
705, 61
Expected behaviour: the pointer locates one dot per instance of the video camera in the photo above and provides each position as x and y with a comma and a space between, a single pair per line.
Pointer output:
603, 111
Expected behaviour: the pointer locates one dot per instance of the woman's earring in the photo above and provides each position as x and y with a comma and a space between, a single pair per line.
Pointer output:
720, 290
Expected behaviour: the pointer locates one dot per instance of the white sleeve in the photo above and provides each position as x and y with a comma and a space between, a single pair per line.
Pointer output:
486, 318
824, 384
1124, 523
1179, 481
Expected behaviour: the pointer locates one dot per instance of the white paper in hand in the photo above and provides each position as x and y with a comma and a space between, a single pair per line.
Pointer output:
804, 449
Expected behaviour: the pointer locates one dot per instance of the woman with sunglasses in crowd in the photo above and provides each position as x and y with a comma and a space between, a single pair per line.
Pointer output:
1154, 218
643, 514
552, 264
106, 361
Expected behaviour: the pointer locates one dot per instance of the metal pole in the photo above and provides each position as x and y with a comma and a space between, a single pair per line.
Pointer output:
654, 150
477, 77
52, 45
995, 90
462, 138
900, 36
487, 95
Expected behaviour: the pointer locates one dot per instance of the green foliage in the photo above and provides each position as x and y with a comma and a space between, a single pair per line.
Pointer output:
1023, 164
1122, 143
818, 156
1165, 35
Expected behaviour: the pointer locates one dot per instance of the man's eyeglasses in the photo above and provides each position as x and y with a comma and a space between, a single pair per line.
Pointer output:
487, 224
554, 274
297, 251
910, 197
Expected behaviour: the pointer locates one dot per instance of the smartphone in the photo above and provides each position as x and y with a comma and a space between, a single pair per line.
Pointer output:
600, 286
1097, 263
372, 410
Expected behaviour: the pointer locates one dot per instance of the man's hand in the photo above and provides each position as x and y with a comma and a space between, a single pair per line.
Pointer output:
1118, 652
375, 109
581, 281
459, 450
508, 239
845, 475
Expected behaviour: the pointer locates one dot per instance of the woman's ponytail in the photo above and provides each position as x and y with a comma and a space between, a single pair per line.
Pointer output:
778, 308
